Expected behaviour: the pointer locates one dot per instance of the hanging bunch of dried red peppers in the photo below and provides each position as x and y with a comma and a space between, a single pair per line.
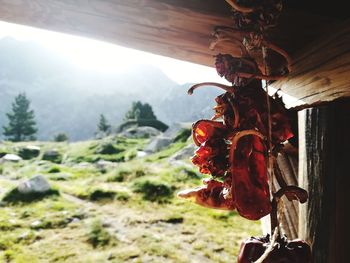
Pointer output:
238, 146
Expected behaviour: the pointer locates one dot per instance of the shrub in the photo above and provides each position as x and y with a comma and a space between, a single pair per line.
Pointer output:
28, 153
98, 236
125, 175
183, 135
52, 156
153, 190
107, 148
99, 194
61, 137
14, 196
54, 169
119, 176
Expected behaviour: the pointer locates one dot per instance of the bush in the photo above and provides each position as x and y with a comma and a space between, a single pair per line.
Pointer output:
98, 236
183, 135
61, 137
54, 169
14, 196
28, 153
153, 190
99, 194
52, 156
122, 196
119, 176
107, 148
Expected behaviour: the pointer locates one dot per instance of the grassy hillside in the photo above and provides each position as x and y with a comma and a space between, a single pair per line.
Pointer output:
125, 210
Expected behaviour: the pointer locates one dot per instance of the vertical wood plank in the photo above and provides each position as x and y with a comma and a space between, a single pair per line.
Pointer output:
324, 171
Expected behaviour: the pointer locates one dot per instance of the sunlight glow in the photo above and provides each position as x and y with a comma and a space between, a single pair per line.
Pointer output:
106, 57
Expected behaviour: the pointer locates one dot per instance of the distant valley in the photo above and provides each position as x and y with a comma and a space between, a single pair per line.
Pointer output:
68, 99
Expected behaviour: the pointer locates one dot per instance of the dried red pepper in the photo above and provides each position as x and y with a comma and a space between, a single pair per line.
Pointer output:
284, 251
234, 150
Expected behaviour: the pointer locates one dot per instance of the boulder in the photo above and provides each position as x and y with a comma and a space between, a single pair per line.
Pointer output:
29, 152
36, 184
52, 156
11, 158
140, 154
158, 144
140, 132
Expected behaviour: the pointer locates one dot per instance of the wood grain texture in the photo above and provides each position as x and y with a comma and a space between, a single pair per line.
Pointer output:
176, 28
321, 71
324, 172
288, 165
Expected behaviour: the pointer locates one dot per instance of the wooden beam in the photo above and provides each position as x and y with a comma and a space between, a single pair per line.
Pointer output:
321, 71
180, 29
324, 145
176, 28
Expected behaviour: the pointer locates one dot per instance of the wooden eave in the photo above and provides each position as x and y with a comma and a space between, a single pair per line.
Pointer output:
182, 29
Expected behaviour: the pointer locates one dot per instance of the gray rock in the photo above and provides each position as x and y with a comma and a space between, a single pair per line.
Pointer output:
158, 144
140, 154
184, 153
36, 184
102, 165
83, 165
140, 132
36, 224
11, 158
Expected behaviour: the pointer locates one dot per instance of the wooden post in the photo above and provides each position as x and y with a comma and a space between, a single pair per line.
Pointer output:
324, 170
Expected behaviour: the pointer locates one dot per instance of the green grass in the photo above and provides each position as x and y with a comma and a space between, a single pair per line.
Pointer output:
127, 213
98, 236
153, 189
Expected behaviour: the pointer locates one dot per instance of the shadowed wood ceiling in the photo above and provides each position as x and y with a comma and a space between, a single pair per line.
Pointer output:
176, 28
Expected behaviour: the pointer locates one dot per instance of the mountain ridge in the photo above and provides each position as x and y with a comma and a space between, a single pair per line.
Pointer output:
68, 99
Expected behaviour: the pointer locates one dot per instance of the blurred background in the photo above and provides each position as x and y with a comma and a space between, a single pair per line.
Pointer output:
95, 144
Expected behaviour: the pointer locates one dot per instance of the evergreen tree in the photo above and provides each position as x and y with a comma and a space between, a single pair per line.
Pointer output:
103, 125
61, 137
140, 111
21, 124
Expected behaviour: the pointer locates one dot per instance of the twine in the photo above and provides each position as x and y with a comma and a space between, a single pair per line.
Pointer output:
270, 247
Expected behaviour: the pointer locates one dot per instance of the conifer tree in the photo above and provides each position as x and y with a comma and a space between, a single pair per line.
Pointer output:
140, 111
21, 124
103, 125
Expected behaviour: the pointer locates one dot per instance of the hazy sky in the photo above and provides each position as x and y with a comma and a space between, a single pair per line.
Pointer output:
102, 56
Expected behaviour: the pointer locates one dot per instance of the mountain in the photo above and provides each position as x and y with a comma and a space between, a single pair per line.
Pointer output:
69, 99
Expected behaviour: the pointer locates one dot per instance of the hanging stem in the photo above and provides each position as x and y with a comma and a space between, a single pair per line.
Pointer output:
273, 240
242, 9
229, 89
273, 215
